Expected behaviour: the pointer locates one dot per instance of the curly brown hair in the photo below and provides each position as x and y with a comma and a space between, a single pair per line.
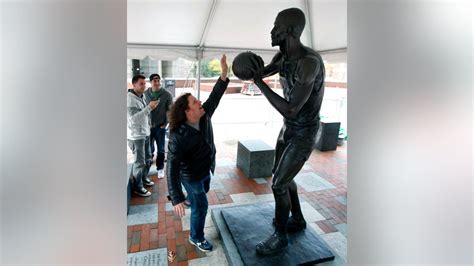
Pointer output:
177, 114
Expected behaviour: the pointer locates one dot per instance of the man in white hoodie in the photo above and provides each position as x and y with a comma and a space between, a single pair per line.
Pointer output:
138, 134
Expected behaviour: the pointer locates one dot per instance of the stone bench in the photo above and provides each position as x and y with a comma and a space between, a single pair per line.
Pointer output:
255, 158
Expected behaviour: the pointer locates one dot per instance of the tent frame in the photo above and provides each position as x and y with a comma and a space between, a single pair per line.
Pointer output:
199, 51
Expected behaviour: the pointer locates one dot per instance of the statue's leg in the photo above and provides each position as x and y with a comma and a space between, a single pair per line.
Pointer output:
295, 201
296, 153
286, 170
296, 222
279, 148
284, 188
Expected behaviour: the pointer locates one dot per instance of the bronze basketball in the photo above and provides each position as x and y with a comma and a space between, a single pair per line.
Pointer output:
246, 64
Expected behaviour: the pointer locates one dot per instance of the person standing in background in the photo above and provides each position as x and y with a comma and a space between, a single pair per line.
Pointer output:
159, 120
138, 134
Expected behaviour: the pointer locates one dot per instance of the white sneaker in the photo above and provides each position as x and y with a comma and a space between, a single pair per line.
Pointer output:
161, 173
142, 192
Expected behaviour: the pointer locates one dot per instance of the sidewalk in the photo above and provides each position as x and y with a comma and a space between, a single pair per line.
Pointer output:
321, 186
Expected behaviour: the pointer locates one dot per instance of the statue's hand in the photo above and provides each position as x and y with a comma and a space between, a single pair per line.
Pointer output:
246, 65
259, 67
258, 76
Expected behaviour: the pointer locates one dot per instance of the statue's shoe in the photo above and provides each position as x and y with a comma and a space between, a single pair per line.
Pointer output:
294, 225
273, 244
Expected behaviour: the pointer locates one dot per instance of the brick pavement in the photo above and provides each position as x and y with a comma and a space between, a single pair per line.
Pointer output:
228, 183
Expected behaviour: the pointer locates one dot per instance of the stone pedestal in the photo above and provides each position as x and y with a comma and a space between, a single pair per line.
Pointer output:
327, 136
255, 158
242, 227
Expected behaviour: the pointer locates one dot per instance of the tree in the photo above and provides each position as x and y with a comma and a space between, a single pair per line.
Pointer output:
209, 69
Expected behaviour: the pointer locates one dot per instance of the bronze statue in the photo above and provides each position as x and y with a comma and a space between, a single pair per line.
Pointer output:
302, 73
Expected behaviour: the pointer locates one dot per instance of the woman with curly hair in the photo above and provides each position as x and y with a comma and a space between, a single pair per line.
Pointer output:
191, 155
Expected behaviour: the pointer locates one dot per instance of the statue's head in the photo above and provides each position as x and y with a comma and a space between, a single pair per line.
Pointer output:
289, 22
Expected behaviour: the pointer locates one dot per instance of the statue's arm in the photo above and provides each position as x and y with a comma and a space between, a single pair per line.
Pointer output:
307, 71
274, 66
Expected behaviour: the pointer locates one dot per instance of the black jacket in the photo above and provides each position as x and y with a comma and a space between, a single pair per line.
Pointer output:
191, 152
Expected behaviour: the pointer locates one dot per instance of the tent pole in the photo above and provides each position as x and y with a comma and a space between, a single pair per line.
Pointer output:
221, 49
210, 16
198, 79
199, 53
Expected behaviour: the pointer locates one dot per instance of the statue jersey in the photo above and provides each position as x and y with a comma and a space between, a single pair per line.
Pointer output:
291, 79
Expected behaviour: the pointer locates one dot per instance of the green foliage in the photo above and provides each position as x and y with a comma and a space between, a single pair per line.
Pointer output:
210, 69
215, 65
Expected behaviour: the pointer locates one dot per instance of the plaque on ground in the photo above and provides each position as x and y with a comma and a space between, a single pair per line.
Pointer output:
148, 258
250, 224
143, 214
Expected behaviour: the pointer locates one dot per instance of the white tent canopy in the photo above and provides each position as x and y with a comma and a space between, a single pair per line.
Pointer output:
194, 29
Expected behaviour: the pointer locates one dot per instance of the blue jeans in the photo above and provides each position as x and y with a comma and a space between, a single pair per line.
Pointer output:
197, 197
158, 135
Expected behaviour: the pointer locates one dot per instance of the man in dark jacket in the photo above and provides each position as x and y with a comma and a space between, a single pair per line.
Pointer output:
191, 155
